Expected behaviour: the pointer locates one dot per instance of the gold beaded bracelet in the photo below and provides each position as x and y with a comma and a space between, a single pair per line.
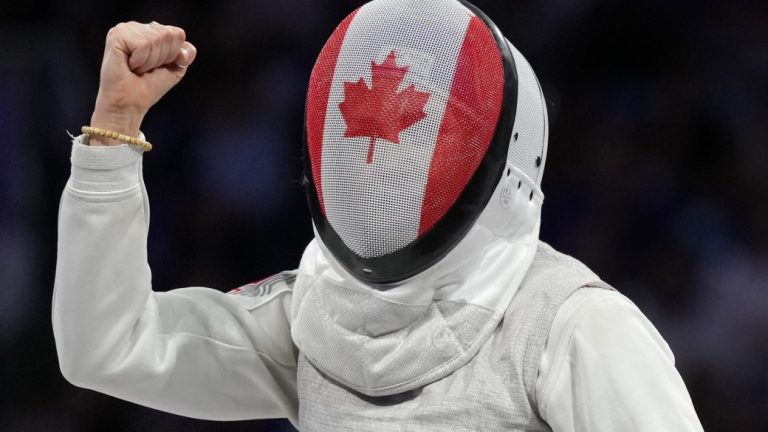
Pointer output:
92, 131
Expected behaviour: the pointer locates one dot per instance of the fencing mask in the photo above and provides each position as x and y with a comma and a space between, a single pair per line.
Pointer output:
417, 111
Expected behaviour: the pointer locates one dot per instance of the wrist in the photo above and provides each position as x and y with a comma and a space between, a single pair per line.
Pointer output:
124, 121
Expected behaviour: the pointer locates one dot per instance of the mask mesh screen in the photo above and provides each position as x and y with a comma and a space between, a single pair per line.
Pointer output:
402, 106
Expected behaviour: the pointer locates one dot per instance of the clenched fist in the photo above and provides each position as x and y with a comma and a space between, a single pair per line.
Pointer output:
141, 63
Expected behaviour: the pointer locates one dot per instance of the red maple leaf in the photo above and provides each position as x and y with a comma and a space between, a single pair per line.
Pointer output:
381, 111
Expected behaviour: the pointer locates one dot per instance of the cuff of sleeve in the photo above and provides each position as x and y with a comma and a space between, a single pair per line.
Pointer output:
104, 168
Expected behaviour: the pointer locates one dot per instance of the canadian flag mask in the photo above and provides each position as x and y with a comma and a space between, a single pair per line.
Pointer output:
410, 122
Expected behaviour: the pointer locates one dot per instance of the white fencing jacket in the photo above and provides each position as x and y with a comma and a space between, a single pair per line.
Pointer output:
201, 353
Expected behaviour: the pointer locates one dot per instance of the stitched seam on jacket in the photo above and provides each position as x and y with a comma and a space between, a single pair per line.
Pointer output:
102, 196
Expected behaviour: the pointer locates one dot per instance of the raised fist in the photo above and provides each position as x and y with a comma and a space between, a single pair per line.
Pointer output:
141, 63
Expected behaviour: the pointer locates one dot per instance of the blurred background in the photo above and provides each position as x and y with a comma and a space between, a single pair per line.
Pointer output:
656, 177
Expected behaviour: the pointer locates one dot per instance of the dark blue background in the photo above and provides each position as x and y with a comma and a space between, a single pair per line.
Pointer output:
656, 175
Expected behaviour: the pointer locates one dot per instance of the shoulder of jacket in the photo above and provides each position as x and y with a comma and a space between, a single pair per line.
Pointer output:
551, 280
547, 256
552, 269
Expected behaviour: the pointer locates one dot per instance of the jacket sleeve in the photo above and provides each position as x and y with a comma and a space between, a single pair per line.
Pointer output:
606, 368
196, 352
